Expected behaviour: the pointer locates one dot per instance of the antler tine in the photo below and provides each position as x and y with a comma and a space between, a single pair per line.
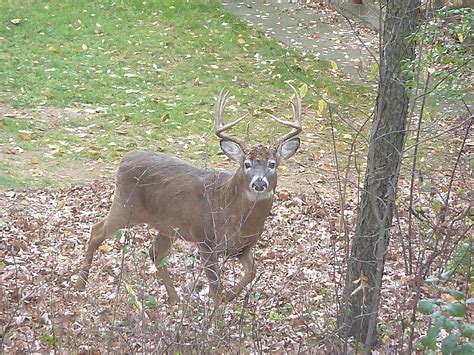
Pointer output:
219, 127
295, 124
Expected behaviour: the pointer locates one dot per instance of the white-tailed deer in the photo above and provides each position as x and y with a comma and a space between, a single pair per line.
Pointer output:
222, 212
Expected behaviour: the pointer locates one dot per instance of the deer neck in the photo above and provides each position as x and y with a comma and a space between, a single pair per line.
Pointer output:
246, 211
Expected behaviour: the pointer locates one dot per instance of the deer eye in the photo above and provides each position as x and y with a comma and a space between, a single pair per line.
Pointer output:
247, 165
271, 165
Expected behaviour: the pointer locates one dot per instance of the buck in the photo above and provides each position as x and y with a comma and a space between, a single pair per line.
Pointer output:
222, 212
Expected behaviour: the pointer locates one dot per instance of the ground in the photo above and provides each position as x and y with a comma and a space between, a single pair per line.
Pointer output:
302, 246
51, 228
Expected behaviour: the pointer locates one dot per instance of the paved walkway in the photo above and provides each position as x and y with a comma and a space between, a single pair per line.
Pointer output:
326, 34
314, 29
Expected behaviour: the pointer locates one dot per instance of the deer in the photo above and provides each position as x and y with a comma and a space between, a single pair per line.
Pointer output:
222, 212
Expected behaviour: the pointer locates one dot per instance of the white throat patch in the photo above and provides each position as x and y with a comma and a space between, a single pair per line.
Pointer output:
258, 196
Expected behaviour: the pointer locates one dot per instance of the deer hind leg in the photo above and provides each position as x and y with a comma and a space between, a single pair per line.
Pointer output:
99, 232
159, 250
249, 274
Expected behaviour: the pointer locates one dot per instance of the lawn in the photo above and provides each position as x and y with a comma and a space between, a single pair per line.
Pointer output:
84, 82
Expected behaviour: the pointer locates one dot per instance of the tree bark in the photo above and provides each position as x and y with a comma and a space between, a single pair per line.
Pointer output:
369, 245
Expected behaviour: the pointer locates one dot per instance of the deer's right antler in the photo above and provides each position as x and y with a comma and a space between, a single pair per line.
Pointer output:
218, 125
295, 124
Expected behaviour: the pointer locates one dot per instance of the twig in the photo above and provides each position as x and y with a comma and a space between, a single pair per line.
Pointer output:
439, 134
445, 77
424, 268
356, 33
412, 180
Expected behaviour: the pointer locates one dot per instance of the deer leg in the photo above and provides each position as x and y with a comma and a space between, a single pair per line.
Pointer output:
211, 267
99, 232
249, 274
160, 249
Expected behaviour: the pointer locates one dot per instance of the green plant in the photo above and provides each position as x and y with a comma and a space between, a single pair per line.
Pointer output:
151, 302
461, 260
446, 41
450, 330
281, 314
50, 338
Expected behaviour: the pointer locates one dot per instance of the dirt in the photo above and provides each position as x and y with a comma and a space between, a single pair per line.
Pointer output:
41, 113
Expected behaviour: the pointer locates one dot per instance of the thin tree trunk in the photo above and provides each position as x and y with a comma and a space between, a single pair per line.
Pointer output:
369, 246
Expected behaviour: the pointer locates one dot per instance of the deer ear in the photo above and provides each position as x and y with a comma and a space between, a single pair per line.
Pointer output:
287, 149
232, 150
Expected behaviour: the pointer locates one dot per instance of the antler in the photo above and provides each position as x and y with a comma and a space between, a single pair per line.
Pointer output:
296, 124
219, 127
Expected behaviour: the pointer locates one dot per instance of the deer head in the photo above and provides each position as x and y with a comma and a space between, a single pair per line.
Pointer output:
258, 164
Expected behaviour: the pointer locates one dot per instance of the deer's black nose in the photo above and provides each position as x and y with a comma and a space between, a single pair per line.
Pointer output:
259, 185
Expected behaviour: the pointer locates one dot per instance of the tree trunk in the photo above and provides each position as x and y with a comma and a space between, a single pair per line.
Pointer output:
367, 256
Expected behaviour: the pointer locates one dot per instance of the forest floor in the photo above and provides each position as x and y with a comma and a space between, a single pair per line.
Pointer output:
291, 306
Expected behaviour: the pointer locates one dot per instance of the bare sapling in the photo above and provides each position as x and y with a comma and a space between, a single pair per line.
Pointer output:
222, 212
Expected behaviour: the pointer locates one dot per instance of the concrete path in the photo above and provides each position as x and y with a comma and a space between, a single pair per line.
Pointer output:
316, 29
326, 34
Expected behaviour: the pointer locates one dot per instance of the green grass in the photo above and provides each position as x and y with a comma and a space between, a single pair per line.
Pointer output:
151, 70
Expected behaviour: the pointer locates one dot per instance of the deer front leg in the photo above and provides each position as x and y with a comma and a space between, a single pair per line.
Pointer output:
159, 250
249, 274
211, 267
99, 232
97, 236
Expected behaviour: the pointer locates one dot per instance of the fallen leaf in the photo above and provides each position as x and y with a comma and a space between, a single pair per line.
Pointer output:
303, 90
25, 137
105, 248
165, 117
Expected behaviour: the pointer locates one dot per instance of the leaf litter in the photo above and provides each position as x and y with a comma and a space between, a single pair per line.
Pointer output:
291, 305
44, 234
